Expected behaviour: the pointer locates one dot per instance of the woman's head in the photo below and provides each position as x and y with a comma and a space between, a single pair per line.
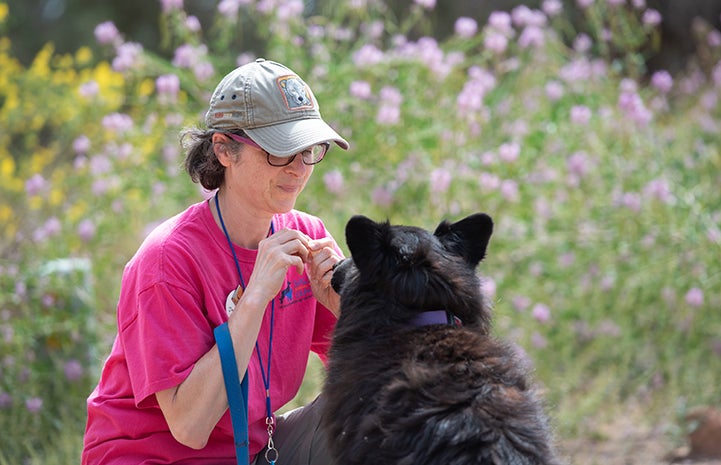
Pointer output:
265, 102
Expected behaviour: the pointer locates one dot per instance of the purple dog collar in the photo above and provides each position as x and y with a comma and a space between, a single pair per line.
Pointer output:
435, 317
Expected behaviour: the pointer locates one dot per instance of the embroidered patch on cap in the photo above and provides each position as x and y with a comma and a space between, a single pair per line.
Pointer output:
296, 94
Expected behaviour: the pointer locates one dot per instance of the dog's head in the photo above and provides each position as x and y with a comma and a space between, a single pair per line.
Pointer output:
406, 270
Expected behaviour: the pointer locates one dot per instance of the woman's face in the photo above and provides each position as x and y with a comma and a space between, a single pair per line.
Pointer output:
268, 189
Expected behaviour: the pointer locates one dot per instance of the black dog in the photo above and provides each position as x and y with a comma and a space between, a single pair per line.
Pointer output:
414, 377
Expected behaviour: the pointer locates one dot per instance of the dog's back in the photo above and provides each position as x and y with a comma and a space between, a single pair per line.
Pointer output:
404, 390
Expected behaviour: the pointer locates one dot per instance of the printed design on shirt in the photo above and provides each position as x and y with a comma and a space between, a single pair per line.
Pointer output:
286, 293
295, 290
296, 93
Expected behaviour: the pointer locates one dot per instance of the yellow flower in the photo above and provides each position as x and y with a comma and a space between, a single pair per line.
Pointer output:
76, 211
35, 202
40, 66
146, 87
56, 197
7, 167
83, 56
4, 10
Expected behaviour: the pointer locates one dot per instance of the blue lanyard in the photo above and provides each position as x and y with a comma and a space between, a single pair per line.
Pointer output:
238, 398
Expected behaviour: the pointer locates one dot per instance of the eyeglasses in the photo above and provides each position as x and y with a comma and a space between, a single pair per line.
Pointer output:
310, 156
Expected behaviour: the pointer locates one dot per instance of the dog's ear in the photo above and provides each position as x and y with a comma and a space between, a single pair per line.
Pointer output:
363, 237
468, 237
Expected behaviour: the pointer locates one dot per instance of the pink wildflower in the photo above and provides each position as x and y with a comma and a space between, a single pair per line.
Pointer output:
694, 297
466, 27
541, 313
106, 33
662, 81
334, 182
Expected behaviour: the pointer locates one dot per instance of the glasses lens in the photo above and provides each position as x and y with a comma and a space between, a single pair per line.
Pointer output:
314, 154
310, 156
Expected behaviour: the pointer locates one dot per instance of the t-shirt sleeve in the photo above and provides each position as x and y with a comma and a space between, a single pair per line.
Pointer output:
163, 342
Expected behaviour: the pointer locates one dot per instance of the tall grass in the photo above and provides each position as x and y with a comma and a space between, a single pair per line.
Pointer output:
602, 180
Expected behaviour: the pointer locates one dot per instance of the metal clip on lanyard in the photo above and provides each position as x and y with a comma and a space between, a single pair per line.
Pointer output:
236, 391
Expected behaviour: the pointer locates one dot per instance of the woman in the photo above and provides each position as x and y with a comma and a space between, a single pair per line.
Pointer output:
245, 256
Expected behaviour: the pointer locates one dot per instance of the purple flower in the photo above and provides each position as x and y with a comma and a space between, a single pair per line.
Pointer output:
532, 36
466, 27
632, 105
52, 227
35, 184
73, 370
554, 90
192, 23
521, 303
509, 190
662, 81
334, 182
509, 152
81, 145
388, 114
228, 7
694, 297
188, 56
552, 7
391, 96
86, 230
582, 43
374, 29
522, 16
714, 39
106, 33
566, 259
578, 164
360, 90
538, 341
34, 404
584, 3
382, 197
168, 85
6, 400
580, 115
496, 42
89, 89
440, 180
427, 4
501, 22
169, 5
367, 55
630, 200
659, 189
117, 122
488, 287
541, 313
651, 17
127, 55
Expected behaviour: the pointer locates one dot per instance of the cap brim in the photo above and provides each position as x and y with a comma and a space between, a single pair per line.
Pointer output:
289, 138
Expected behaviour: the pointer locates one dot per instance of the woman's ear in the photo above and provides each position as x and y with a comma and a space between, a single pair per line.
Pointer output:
220, 147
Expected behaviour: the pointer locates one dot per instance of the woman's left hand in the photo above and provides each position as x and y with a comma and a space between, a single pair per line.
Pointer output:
320, 264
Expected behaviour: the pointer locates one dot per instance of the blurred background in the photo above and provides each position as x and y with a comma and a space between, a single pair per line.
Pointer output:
588, 129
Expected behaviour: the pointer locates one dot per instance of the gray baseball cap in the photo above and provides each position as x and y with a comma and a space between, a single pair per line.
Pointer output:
273, 106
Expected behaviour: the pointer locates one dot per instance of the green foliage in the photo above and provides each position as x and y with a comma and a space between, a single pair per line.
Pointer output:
604, 189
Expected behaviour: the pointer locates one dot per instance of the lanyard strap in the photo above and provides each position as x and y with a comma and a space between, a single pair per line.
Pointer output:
236, 391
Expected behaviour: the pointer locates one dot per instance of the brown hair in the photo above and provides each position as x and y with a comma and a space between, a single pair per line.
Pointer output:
200, 161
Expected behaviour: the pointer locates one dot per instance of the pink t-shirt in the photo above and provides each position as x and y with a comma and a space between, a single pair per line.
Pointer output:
172, 296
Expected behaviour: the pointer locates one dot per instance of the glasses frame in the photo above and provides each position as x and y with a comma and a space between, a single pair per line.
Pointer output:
309, 156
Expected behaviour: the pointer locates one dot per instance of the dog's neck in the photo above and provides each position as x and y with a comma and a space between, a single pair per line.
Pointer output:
436, 317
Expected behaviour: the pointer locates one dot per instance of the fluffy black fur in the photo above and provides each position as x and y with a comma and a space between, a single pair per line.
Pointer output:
437, 394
